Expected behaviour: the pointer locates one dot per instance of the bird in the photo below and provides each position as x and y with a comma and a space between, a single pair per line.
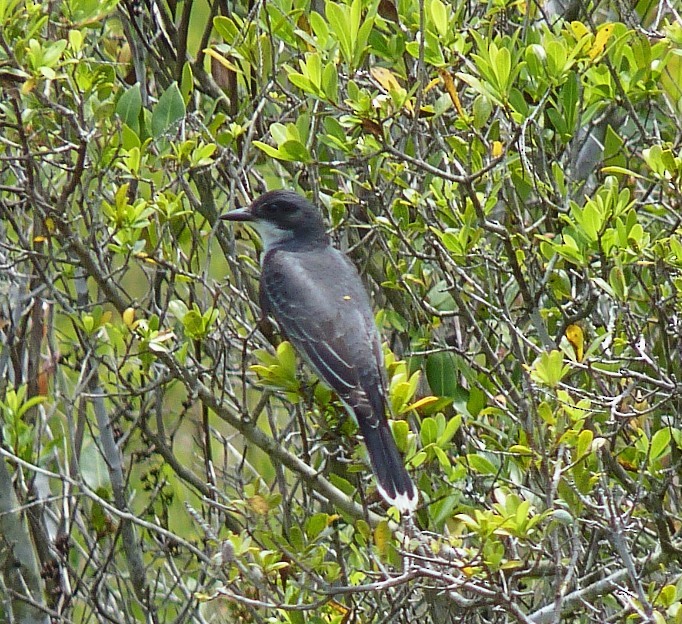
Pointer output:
315, 294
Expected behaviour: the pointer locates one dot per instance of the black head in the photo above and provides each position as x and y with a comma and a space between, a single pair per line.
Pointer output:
280, 216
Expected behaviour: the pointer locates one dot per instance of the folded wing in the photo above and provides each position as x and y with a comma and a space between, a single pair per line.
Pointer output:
330, 322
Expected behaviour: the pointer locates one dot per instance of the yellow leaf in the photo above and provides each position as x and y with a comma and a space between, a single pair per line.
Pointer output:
259, 504
449, 84
579, 30
39, 239
511, 565
129, 317
222, 60
50, 225
202, 597
421, 403
28, 86
141, 255
600, 41
382, 538
385, 78
498, 148
575, 335
431, 85
338, 607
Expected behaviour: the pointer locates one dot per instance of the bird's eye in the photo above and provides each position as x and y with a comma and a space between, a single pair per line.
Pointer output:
281, 208
269, 209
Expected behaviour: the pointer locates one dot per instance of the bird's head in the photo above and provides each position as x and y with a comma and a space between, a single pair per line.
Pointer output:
282, 216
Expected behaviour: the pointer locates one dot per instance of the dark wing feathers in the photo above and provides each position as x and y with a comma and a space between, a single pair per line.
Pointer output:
330, 323
322, 308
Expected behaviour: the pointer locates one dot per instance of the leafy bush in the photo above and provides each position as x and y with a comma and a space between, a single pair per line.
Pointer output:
506, 176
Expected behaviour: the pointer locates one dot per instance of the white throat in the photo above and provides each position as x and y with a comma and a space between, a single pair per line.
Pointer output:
270, 234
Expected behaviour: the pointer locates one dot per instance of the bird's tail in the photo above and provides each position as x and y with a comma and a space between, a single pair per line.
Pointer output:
393, 481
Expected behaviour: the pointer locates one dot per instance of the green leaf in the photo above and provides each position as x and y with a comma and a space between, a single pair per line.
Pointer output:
186, 82
168, 110
558, 120
441, 510
418, 459
339, 22
428, 431
130, 138
482, 110
313, 66
53, 52
451, 429
481, 464
660, 444
549, 368
584, 444
441, 374
294, 151
618, 283
279, 133
360, 45
570, 94
330, 80
623, 171
341, 483
439, 15
193, 324
319, 28
269, 150
32, 402
226, 28
480, 87
667, 595
287, 358
316, 524
545, 412
178, 308
443, 459
522, 450
502, 69
303, 83
129, 107
400, 430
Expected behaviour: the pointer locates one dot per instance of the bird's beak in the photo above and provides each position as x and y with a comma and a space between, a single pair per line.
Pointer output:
240, 214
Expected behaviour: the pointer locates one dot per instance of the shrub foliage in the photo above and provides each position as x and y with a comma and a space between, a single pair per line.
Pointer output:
508, 178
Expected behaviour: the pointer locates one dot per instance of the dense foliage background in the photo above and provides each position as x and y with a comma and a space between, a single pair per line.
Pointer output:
508, 178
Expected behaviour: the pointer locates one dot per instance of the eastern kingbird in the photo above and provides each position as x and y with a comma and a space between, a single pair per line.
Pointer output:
315, 294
